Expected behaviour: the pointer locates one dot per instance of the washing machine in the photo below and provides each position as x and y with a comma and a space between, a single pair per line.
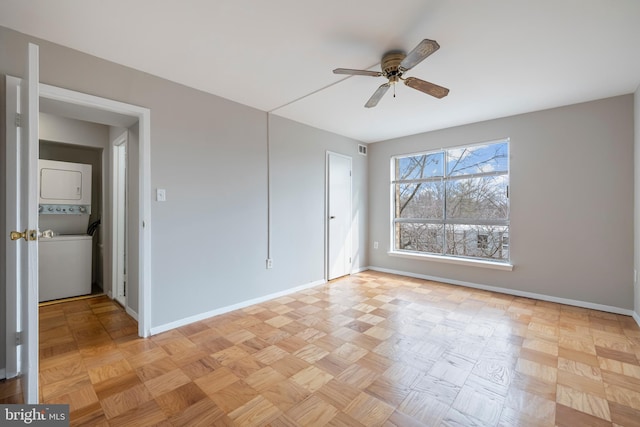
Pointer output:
65, 259
64, 266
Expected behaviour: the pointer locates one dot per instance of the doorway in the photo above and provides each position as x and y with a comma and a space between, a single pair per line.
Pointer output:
339, 215
23, 328
135, 122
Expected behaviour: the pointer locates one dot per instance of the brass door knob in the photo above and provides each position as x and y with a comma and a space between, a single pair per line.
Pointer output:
17, 235
26, 235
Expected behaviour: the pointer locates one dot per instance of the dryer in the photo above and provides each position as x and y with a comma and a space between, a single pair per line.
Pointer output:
64, 196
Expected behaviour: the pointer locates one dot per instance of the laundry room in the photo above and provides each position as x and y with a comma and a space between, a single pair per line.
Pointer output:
71, 188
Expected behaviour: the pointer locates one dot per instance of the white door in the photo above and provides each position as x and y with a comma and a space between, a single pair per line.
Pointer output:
119, 215
22, 224
339, 217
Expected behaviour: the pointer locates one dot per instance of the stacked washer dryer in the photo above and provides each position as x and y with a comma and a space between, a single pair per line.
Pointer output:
65, 206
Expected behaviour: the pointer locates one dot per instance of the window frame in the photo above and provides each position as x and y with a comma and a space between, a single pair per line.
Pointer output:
445, 179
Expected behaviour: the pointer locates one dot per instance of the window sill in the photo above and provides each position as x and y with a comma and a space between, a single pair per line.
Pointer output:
453, 260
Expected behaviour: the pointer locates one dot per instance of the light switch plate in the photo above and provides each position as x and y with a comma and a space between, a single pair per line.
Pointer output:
161, 195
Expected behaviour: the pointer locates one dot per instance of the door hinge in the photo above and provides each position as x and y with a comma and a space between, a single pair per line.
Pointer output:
18, 338
18, 120
349, 260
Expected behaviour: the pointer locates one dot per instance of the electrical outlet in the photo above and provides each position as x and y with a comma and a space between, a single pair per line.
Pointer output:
375, 245
161, 195
269, 263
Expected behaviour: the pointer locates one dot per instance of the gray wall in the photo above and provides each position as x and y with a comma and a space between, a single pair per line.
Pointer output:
298, 208
209, 239
571, 202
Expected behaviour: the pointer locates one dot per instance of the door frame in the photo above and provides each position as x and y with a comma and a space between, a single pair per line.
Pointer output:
349, 236
119, 218
143, 181
12, 325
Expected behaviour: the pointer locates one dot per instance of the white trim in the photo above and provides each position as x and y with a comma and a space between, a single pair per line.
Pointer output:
454, 260
359, 270
144, 180
144, 184
191, 319
636, 317
30, 366
90, 101
3, 374
131, 313
515, 292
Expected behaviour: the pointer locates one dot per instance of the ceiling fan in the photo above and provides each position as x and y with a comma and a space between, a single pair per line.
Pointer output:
394, 64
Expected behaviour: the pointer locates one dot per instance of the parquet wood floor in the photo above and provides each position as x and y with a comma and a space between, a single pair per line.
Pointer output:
372, 349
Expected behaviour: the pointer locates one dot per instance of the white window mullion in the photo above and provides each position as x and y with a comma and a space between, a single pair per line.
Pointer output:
445, 181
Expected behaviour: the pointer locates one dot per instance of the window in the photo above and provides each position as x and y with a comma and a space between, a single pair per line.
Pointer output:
453, 202
483, 241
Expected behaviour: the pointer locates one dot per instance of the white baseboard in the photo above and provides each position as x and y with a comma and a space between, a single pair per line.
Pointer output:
515, 292
359, 270
191, 319
636, 317
3, 373
127, 309
131, 313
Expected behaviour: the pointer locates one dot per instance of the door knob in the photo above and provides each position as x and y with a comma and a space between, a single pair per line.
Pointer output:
332, 217
26, 235
17, 235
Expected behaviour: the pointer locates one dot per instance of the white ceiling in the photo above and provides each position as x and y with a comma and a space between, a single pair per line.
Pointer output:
498, 57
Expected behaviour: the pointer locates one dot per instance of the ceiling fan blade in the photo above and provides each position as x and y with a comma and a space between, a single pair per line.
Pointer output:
357, 72
425, 48
377, 95
426, 87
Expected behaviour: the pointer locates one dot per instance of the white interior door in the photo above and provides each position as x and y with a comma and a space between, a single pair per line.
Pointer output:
22, 221
119, 215
339, 216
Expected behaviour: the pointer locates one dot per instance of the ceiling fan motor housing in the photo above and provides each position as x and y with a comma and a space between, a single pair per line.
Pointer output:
391, 64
